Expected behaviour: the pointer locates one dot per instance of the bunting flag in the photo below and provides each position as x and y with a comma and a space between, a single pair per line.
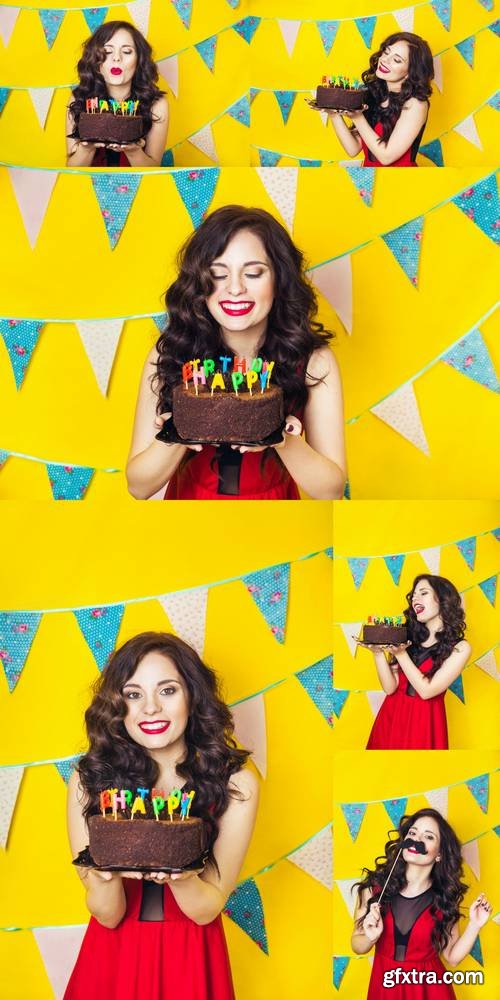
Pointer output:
334, 281
4, 93
100, 339
269, 590
187, 614
479, 788
363, 178
443, 10
240, 111
494, 102
353, 814
432, 558
328, 32
470, 854
69, 482
94, 16
66, 767
17, 631
340, 697
345, 887
32, 189
471, 358
115, 194
196, 188
10, 783
366, 27
405, 242
438, 799
395, 809
268, 158
489, 588
206, 50
340, 963
317, 681
20, 337
285, 99
496, 533
315, 857
233, 3
59, 948
358, 566
495, 27
375, 699
467, 547
351, 629
438, 73
247, 28
281, 186
476, 951
467, 129
139, 12
3, 457
244, 906
433, 151
184, 10
8, 18
169, 70
167, 159
289, 31
404, 18
249, 718
488, 663
204, 141
457, 687
487, 4
329, 551
51, 22
395, 565
309, 163
99, 627
41, 98
466, 49
400, 411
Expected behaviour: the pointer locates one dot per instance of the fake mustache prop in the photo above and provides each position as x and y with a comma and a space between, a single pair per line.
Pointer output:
417, 845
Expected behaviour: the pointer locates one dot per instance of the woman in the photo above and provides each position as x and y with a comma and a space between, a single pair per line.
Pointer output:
241, 291
417, 918
157, 720
399, 86
416, 679
117, 64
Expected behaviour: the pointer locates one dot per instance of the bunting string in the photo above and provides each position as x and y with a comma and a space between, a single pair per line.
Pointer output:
408, 552
413, 795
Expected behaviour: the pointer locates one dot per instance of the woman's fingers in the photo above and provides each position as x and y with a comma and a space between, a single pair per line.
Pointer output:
161, 418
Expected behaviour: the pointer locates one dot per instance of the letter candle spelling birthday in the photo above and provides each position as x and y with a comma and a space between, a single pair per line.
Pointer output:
211, 376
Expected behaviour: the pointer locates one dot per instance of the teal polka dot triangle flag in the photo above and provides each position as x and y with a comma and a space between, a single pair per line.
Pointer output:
364, 179
3, 457
471, 357
94, 17
317, 681
196, 188
489, 588
4, 93
466, 49
467, 546
269, 589
100, 628
51, 22
395, 565
339, 699
366, 27
206, 49
358, 566
268, 158
495, 27
285, 99
20, 337
66, 767
479, 788
184, 9
247, 27
480, 204
115, 194
340, 963
443, 10
17, 631
233, 3
457, 687
396, 808
405, 243
240, 111
476, 951
433, 151
328, 31
68, 482
244, 907
353, 815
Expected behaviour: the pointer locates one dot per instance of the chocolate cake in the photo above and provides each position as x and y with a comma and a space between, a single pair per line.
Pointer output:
110, 128
146, 843
385, 635
226, 416
341, 98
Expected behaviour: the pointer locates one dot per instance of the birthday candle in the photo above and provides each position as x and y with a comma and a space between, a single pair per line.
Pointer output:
225, 363
143, 792
269, 368
105, 801
88, 104
195, 362
240, 365
252, 377
158, 805
187, 372
208, 366
199, 376
113, 793
120, 800
136, 105
138, 806
236, 379
190, 797
256, 365
173, 801
124, 107
217, 383
103, 106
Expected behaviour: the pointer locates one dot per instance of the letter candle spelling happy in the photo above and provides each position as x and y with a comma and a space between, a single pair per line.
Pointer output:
123, 798
259, 371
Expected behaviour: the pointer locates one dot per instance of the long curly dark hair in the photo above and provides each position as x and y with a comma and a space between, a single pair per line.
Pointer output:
451, 613
417, 83
446, 874
92, 83
114, 759
292, 333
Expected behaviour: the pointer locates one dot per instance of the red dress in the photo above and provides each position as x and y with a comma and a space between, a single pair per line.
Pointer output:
155, 959
109, 158
213, 473
420, 955
405, 721
408, 159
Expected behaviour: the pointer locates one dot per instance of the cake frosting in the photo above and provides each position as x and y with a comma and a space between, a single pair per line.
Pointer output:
341, 94
385, 631
110, 122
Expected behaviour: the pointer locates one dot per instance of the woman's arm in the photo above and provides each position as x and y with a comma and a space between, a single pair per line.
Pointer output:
318, 463
150, 155
347, 137
459, 947
412, 117
202, 897
429, 687
386, 675
363, 938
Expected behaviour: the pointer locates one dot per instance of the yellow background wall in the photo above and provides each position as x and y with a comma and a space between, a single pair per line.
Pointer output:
59, 413
380, 775
77, 554
371, 529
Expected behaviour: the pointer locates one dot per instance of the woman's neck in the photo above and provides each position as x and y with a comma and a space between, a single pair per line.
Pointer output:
434, 625
418, 879
245, 344
119, 92
167, 760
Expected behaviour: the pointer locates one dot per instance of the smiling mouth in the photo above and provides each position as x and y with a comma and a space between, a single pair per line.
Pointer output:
382, 68
236, 308
154, 728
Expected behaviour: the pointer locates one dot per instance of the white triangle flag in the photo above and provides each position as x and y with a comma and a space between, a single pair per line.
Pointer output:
100, 339
400, 411
139, 12
496, 918
375, 699
187, 613
10, 781
404, 18
59, 947
468, 130
8, 18
281, 186
315, 857
470, 854
204, 140
334, 281
488, 663
432, 558
351, 629
289, 30
41, 97
250, 729
169, 70
33, 189
438, 73
345, 885
438, 799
